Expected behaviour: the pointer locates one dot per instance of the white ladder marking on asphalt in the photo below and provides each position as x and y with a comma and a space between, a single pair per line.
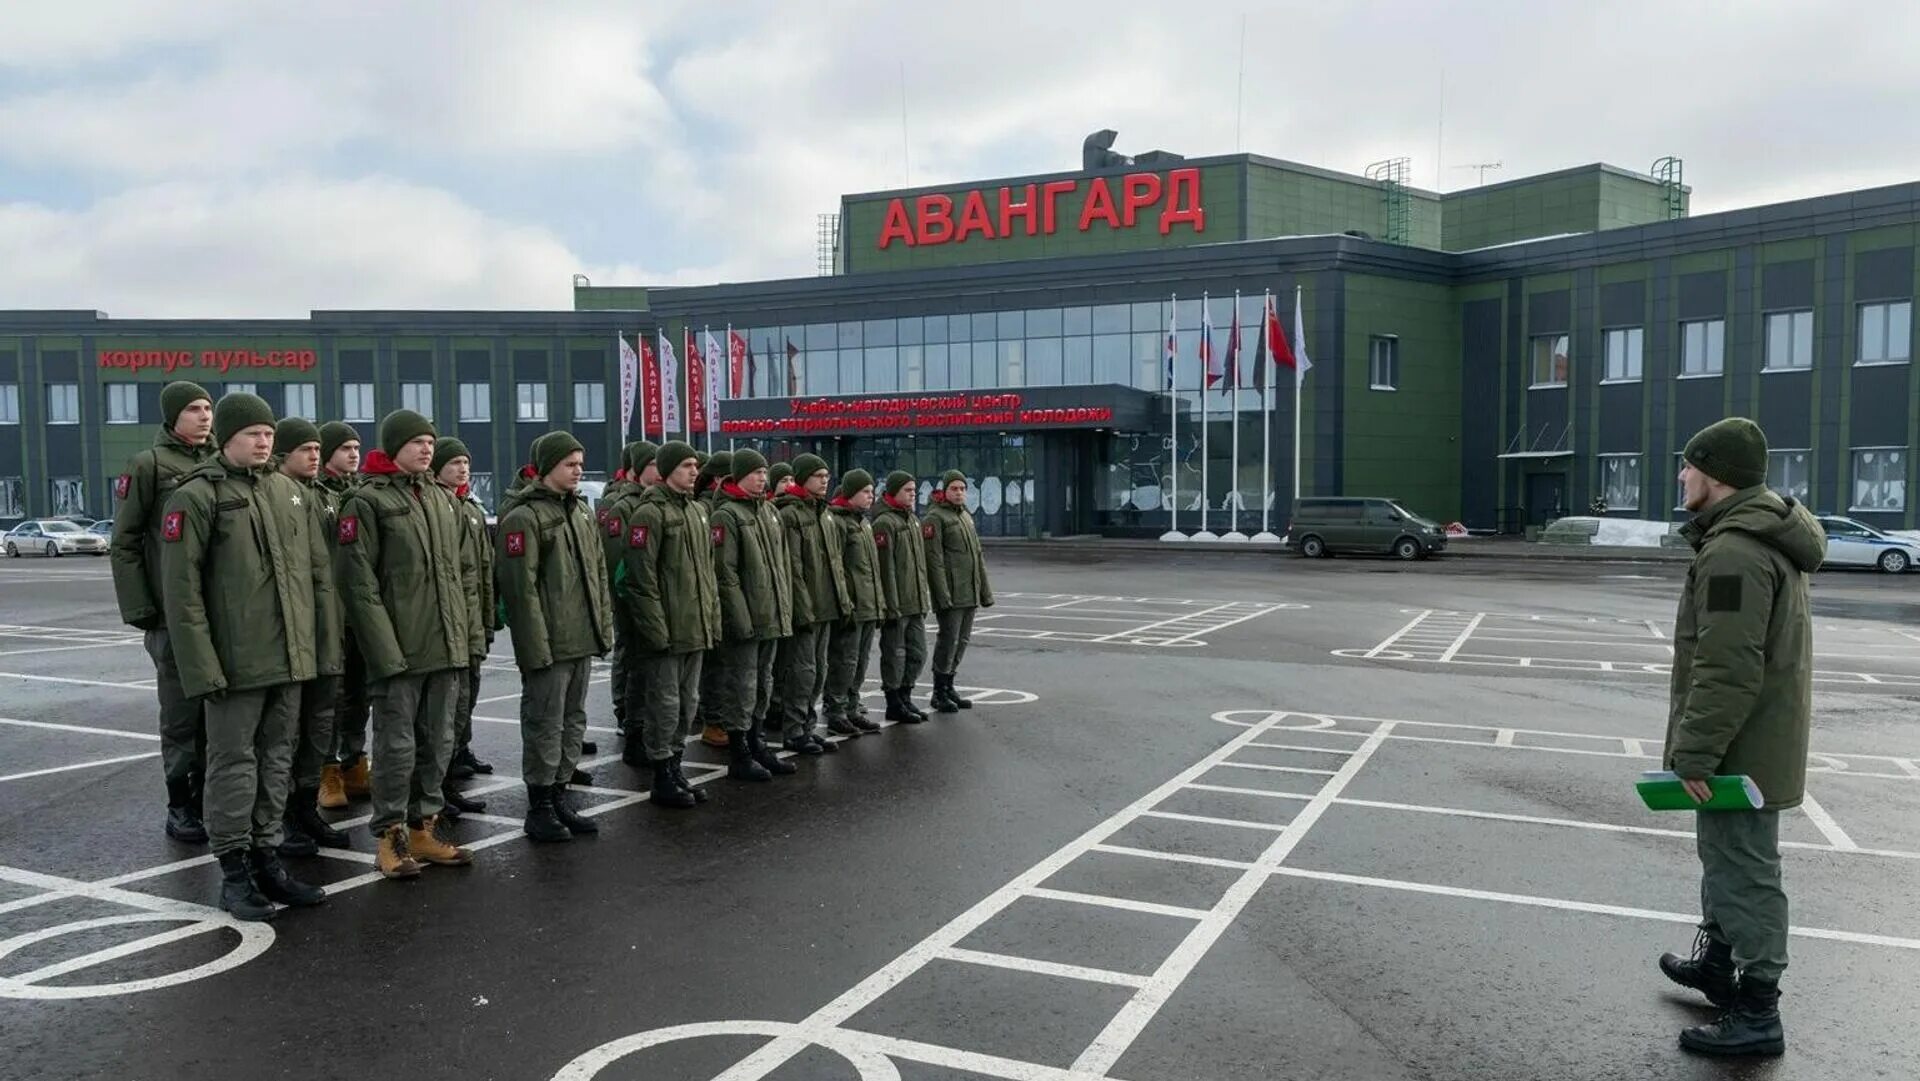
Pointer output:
1042, 968
1825, 824
1209, 820
1125, 903
80, 728
1465, 633
1145, 627
94, 764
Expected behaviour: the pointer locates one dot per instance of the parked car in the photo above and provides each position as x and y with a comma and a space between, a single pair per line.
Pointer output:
1857, 544
102, 528
1324, 526
52, 537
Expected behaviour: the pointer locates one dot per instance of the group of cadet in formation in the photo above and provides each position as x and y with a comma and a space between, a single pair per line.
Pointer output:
291, 589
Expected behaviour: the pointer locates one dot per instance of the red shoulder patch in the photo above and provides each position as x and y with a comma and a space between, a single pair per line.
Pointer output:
719, 535
927, 531
879, 539
637, 537
122, 486
349, 529
613, 525
173, 525
516, 543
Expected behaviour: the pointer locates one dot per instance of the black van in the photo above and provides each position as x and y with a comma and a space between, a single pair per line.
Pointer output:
1329, 525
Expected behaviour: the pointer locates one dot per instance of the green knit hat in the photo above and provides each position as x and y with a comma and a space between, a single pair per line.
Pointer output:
898, 479
855, 480
716, 466
237, 412
744, 461
176, 397
626, 454
403, 426
776, 473
333, 435
950, 476
293, 433
640, 457
551, 449
673, 454
806, 465
446, 450
1732, 451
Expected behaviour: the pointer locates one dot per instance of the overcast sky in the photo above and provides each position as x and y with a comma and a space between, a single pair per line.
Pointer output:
230, 158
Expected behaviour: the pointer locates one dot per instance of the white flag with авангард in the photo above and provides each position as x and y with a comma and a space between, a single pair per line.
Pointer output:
629, 383
670, 386
716, 364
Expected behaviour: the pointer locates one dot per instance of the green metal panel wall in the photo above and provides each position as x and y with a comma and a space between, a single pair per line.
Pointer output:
1404, 443
1286, 202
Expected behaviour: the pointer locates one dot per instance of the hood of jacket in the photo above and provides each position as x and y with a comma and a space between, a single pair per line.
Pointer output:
1782, 524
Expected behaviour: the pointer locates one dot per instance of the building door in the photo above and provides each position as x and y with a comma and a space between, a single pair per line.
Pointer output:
1546, 497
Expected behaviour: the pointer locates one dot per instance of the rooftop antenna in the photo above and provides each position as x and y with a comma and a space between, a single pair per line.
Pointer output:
906, 147
580, 280
1240, 101
1481, 167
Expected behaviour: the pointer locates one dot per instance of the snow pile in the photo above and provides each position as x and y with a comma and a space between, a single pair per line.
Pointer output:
1630, 533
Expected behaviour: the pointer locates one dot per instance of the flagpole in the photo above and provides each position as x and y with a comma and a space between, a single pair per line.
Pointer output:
1206, 428
1299, 378
1265, 536
1172, 361
727, 349
1233, 533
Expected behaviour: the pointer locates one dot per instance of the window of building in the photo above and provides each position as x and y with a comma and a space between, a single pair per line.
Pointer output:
1789, 472
589, 401
1789, 341
13, 497
1623, 347
1620, 481
123, 403
530, 401
1703, 347
1383, 362
356, 403
9, 403
1886, 332
69, 496
481, 484
1550, 360
476, 401
1679, 486
417, 397
303, 401
1880, 478
63, 403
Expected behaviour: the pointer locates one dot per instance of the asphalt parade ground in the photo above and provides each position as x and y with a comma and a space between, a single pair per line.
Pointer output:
1212, 820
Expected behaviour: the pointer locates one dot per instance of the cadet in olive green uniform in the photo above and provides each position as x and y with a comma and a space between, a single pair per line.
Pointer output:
623, 484
1742, 703
346, 777
903, 581
553, 577
752, 572
296, 444
850, 534
186, 413
820, 598
779, 480
615, 513
957, 579
453, 468
408, 570
249, 605
714, 468
667, 587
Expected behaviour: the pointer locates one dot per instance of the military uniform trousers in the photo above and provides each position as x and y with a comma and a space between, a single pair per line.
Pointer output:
746, 683
800, 677
711, 694
847, 653
319, 701
618, 684
670, 700
250, 738
464, 703
553, 720
903, 651
1742, 902
412, 744
183, 729
950, 645
350, 716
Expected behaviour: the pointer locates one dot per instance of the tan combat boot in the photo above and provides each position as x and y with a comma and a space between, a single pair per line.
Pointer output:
357, 779
333, 790
394, 860
714, 736
426, 844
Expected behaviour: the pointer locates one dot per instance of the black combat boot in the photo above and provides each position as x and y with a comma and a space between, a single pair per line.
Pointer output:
183, 814
454, 803
632, 752
294, 842
680, 778
742, 766
953, 695
895, 711
238, 894
271, 878
906, 703
667, 791
460, 766
1709, 971
942, 699
306, 811
581, 777
472, 760
802, 745
575, 822
763, 754
1750, 1027
589, 747
542, 823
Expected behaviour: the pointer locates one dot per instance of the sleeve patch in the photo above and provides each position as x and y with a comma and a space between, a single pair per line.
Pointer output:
613, 525
879, 539
122, 486
637, 537
719, 535
349, 529
516, 543
1723, 593
927, 531
173, 525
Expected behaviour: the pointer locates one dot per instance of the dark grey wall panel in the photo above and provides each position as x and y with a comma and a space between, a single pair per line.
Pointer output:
1886, 274
1696, 404
1783, 412
356, 365
591, 364
1480, 412
1741, 356
1550, 313
1620, 415
1623, 304
473, 366
1703, 295
414, 365
59, 366
1786, 285
1832, 473
1879, 406
529, 364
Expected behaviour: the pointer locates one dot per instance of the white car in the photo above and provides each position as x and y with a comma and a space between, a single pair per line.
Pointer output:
1856, 544
53, 537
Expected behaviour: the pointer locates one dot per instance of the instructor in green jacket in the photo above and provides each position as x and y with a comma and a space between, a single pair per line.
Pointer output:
903, 581
1742, 703
249, 604
751, 571
957, 578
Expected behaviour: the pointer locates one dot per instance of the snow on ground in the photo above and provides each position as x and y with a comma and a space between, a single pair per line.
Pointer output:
1630, 533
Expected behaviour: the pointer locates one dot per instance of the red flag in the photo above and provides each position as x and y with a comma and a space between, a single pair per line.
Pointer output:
696, 385
1277, 345
737, 354
650, 406
793, 368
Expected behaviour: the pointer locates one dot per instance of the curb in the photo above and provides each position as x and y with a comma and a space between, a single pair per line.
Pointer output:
1509, 551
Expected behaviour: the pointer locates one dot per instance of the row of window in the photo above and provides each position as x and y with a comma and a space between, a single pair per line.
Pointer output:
1879, 478
68, 495
301, 400
1885, 337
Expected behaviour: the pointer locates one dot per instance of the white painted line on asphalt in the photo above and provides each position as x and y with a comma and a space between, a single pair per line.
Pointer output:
1236, 823
1281, 769
78, 682
1301, 747
1232, 790
62, 649
1397, 635
1173, 857
1124, 903
96, 763
1465, 633
1145, 627
1220, 626
1041, 968
1822, 821
80, 728
516, 723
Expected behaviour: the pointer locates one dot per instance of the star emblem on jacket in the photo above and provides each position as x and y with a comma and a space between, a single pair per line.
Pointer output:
296, 499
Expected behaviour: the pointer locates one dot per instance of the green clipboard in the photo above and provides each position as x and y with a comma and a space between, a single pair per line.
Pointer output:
1661, 790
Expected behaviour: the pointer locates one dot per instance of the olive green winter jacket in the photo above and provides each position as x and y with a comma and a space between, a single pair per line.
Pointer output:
615, 510
143, 491
324, 508
903, 559
249, 598
849, 532
666, 579
408, 566
476, 515
553, 577
818, 576
956, 567
751, 568
1742, 700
